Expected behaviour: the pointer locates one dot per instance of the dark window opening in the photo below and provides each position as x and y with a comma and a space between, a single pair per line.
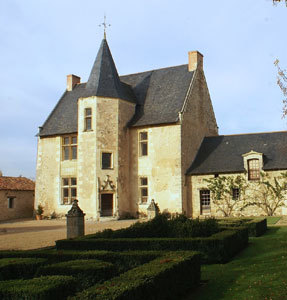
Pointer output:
11, 202
106, 160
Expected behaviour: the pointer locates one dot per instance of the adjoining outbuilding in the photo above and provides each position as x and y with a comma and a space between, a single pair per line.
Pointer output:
16, 197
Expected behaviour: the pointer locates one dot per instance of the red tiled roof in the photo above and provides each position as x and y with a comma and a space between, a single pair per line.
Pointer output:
16, 183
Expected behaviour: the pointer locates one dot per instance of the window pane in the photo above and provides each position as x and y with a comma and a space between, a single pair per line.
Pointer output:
106, 160
144, 181
66, 192
143, 148
144, 192
73, 181
65, 181
74, 192
88, 112
66, 141
66, 153
143, 136
88, 125
74, 140
74, 152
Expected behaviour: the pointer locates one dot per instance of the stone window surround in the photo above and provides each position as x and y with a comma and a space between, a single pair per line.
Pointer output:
143, 186
143, 143
70, 187
235, 194
88, 119
204, 196
70, 146
250, 156
112, 160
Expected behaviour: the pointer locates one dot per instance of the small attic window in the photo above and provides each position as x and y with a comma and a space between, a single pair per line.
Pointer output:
253, 169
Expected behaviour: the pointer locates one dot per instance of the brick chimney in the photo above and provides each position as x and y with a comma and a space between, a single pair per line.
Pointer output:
72, 80
195, 60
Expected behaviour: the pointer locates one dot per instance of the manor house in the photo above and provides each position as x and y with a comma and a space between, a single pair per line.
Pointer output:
116, 142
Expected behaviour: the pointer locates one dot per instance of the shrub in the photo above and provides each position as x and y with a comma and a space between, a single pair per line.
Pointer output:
216, 248
256, 226
161, 226
123, 260
12, 268
42, 288
168, 277
87, 271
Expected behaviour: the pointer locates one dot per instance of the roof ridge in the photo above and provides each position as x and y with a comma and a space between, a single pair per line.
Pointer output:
153, 70
248, 133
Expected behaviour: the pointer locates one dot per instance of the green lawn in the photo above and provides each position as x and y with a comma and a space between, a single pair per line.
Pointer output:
272, 220
258, 272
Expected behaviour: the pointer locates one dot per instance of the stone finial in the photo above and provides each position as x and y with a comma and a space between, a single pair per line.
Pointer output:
72, 80
152, 210
75, 211
195, 60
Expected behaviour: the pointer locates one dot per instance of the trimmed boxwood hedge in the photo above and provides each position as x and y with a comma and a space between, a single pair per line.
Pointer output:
256, 226
41, 288
87, 271
123, 260
162, 227
13, 268
168, 277
218, 248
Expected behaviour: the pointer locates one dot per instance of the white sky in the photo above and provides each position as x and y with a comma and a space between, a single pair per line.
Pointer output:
41, 41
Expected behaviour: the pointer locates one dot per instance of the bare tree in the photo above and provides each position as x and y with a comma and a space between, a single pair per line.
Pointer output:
275, 2
269, 193
228, 193
282, 83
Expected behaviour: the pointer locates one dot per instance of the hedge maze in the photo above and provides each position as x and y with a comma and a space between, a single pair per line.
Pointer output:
113, 265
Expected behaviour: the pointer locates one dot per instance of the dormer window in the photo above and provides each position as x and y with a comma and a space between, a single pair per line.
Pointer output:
253, 169
253, 164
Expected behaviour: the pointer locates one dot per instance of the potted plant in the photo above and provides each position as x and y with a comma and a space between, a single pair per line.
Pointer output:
39, 212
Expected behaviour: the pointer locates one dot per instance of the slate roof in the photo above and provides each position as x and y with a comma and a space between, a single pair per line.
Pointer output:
16, 183
223, 154
159, 94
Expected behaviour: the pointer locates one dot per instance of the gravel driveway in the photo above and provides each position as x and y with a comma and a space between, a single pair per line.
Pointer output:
31, 234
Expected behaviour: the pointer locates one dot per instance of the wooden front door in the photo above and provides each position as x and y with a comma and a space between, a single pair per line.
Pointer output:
106, 205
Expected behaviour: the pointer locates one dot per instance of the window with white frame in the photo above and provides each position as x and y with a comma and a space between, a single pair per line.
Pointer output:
143, 188
253, 169
69, 190
204, 201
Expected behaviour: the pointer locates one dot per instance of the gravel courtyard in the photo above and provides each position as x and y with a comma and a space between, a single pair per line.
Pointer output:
31, 234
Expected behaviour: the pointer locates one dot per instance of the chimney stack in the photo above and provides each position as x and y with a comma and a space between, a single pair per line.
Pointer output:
72, 80
195, 60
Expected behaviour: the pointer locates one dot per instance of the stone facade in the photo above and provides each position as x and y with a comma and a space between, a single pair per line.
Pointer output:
133, 179
197, 183
16, 198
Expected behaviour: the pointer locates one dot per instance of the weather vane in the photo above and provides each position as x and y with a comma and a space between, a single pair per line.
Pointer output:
105, 25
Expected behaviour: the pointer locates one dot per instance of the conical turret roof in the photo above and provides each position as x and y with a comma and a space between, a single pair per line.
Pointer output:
104, 80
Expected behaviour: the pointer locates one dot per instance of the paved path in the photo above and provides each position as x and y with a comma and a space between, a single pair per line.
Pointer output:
31, 234
282, 221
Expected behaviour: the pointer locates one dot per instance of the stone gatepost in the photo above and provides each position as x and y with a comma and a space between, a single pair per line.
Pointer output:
75, 221
152, 210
